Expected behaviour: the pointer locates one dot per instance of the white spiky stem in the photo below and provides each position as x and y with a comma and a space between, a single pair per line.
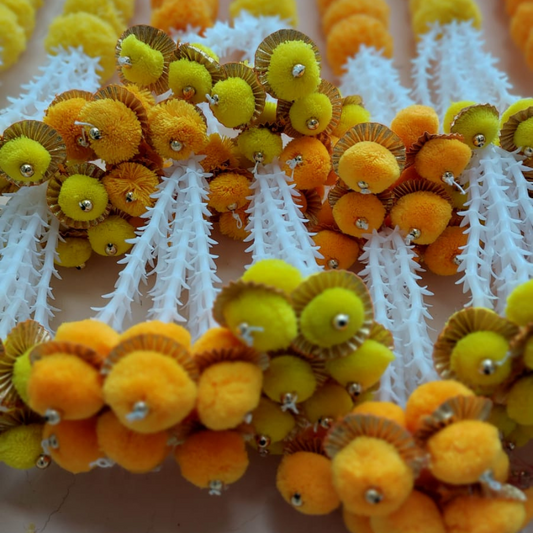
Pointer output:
427, 54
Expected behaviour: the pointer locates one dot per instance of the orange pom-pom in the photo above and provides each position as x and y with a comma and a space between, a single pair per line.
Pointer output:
228, 191
441, 256
216, 339
512, 5
387, 410
155, 327
341, 9
413, 121
219, 152
358, 214
177, 15
233, 225
339, 251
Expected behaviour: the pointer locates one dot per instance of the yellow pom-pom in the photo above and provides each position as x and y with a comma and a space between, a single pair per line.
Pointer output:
212, 457
329, 402
178, 15
73, 444
259, 145
12, 38
73, 252
155, 327
441, 256
147, 64
477, 514
523, 136
21, 375
424, 211
24, 12
463, 451
228, 191
65, 383
371, 163
445, 12
473, 350
348, 35
452, 111
109, 238
184, 74
341, 9
20, 447
96, 36
520, 401
284, 83
369, 463
426, 399
311, 114
355, 523
359, 214
103, 9
120, 130
236, 103
304, 481
307, 161
136, 452
413, 121
205, 49
515, 108
418, 514
275, 273
351, 115
216, 339
364, 366
233, 225
78, 189
270, 421
387, 410
288, 374
518, 308
286, 10
317, 321
479, 126
269, 317
154, 380
337, 250
23, 151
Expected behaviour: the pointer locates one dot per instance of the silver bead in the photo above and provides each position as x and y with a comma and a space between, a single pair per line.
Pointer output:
110, 249
259, 157
298, 159
354, 389
95, 134
313, 123
27, 170
52, 417
457, 260
81, 267
43, 461
487, 367
298, 70
413, 235
232, 207
479, 140
448, 178
361, 223
262, 441
373, 496
341, 321
528, 151
82, 141
86, 205
188, 92
333, 264
216, 487
176, 146
139, 412
325, 422
53, 442
363, 185
296, 500
125, 62
129, 196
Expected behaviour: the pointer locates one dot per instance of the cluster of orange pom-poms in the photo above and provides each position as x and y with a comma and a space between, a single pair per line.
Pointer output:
98, 398
521, 13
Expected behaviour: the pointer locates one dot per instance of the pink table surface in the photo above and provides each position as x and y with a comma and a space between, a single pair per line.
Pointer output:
110, 501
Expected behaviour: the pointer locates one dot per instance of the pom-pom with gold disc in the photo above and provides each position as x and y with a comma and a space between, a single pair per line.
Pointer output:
369, 158
238, 100
229, 387
475, 348
15, 366
479, 124
334, 312
192, 73
288, 65
374, 463
421, 210
304, 478
30, 153
229, 190
517, 133
150, 383
78, 197
143, 54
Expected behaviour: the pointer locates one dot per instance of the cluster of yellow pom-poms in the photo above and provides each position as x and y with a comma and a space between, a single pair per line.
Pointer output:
521, 13
17, 22
291, 371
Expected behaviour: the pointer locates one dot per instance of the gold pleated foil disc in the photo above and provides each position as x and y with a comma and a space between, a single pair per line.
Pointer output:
508, 130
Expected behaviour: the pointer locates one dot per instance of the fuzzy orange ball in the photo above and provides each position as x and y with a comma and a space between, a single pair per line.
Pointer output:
219, 151
325, 215
428, 397
91, 333
413, 121
74, 444
155, 327
387, 410
359, 214
229, 191
440, 256
341, 9
65, 383
521, 24
136, 452
233, 225
338, 251
315, 165
304, 480
348, 35
209, 456
177, 15
355, 523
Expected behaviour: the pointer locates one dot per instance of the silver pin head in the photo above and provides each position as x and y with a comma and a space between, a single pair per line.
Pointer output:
53, 442
130, 197
259, 157
362, 223
413, 235
312, 124
363, 185
43, 461
296, 499
125, 62
86, 205
95, 134
457, 260
110, 249
52, 417
81, 267
262, 441
354, 389
528, 151
487, 367
373, 496
216, 487
139, 411
298, 70
188, 92
341, 321
333, 264
27, 170
479, 140
448, 178
176, 146
232, 207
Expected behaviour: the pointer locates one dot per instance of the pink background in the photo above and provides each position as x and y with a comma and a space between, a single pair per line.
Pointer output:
111, 501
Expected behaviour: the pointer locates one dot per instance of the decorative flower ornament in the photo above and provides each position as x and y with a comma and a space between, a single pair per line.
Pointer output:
517, 134
478, 124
